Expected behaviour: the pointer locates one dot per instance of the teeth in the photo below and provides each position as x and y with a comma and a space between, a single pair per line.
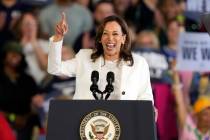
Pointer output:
110, 45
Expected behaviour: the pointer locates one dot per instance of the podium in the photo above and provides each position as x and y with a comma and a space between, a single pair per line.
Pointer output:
101, 120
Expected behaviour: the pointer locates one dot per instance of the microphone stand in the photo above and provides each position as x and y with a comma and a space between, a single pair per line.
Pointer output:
95, 96
109, 88
106, 91
98, 91
94, 89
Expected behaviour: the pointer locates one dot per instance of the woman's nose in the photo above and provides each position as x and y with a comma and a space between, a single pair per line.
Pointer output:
110, 37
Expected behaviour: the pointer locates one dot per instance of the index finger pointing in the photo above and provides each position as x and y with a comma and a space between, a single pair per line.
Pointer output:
63, 17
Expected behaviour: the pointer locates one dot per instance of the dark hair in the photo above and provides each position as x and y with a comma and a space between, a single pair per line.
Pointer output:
125, 51
12, 46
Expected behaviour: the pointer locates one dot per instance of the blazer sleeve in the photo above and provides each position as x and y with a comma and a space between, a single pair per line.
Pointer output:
55, 65
147, 94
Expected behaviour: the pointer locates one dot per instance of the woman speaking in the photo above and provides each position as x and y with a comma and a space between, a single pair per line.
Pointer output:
111, 57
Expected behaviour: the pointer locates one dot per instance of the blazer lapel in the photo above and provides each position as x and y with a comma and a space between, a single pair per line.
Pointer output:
97, 64
97, 67
125, 70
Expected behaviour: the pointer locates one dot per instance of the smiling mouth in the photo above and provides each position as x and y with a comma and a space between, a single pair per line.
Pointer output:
110, 46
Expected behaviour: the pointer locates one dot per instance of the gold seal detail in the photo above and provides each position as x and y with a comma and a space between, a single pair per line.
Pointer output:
100, 125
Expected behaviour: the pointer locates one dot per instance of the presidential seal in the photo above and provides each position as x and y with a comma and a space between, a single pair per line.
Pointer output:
100, 125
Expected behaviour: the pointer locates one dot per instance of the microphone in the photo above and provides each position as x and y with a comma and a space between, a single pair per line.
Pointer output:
110, 77
94, 77
109, 88
94, 86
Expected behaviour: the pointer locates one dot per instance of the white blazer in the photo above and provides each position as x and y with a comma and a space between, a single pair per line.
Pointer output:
134, 80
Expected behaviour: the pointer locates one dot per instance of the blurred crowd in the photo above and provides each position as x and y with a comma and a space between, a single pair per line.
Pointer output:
181, 97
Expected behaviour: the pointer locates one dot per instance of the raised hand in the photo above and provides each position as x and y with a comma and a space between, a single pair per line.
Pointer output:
61, 28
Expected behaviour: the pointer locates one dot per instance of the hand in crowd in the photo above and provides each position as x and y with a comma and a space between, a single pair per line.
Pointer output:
156, 113
159, 19
61, 28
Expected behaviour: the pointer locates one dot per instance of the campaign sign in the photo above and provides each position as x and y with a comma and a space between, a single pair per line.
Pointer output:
194, 52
